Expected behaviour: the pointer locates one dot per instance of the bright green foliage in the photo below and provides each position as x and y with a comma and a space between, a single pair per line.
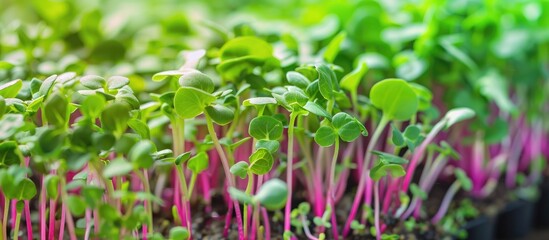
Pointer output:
190, 102
198, 163
396, 99
261, 161
265, 128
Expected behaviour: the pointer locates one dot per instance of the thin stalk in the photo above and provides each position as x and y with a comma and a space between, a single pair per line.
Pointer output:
28, 219
1, 230
248, 191
5, 218
376, 210
330, 194
183, 189
364, 174
226, 169
419, 154
70, 221
143, 176
42, 209
446, 202
289, 172
17, 223
192, 184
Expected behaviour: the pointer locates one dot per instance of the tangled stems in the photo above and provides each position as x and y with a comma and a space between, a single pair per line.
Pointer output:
226, 169
364, 174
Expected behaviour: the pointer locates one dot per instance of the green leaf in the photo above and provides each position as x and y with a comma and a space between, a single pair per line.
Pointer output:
220, 114
11, 89
26, 190
239, 56
266, 128
325, 136
261, 161
46, 86
327, 82
390, 158
240, 169
333, 47
50, 141
417, 191
182, 158
179, 233
240, 196
398, 138
457, 115
10, 154
117, 167
295, 99
198, 163
93, 82
496, 131
412, 132
115, 117
316, 109
116, 82
271, 145
92, 106
141, 154
190, 102
273, 194
395, 98
76, 205
51, 182
168, 74
351, 81
3, 106
196, 79
139, 127
348, 128
493, 86
258, 101
10, 124
56, 110
381, 170
297, 79
424, 96
465, 181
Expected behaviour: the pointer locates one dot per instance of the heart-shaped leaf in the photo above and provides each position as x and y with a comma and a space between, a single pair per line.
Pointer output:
197, 80
261, 161
266, 128
395, 98
198, 163
271, 145
115, 117
325, 136
92, 106
348, 128
327, 82
240, 169
190, 102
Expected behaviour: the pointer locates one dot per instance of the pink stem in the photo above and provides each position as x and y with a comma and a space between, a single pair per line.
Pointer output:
228, 219
376, 210
51, 233
266, 224
62, 223
419, 154
446, 202
28, 220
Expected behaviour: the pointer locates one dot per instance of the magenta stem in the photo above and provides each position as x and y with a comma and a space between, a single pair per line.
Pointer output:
376, 210
446, 202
